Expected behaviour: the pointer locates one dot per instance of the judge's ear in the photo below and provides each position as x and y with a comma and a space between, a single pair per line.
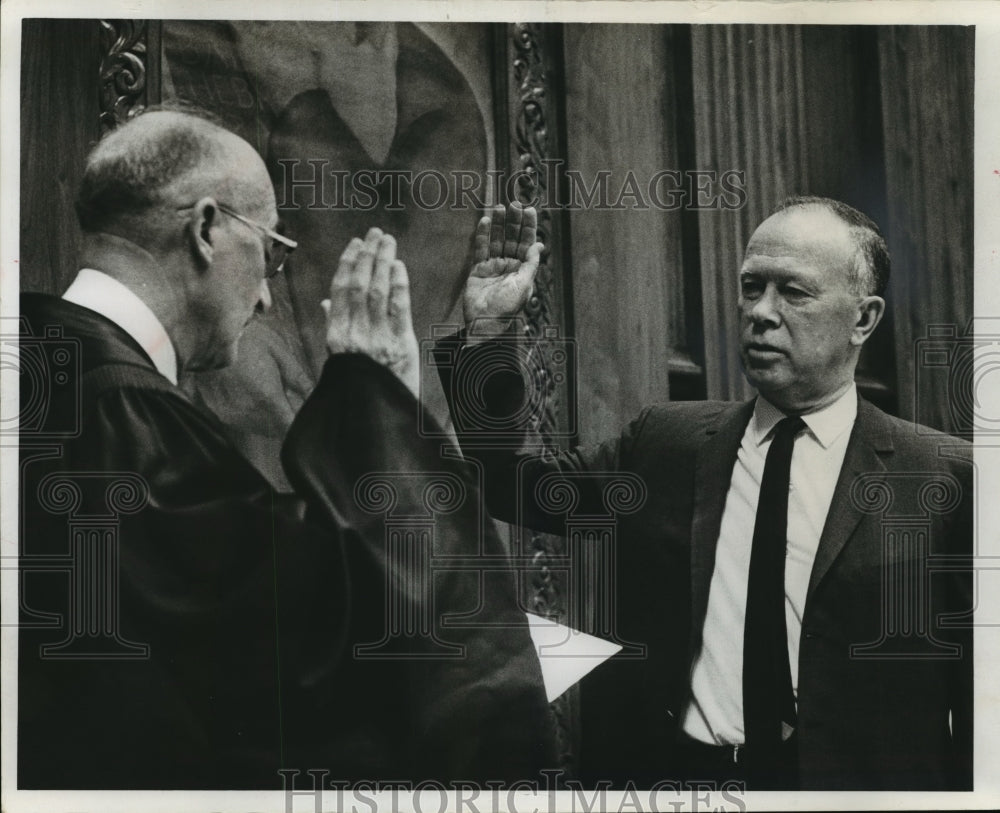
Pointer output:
871, 309
204, 215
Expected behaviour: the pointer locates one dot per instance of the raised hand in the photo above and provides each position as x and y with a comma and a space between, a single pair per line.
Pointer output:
505, 263
369, 307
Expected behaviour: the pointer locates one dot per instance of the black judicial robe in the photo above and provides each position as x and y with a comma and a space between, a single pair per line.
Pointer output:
185, 626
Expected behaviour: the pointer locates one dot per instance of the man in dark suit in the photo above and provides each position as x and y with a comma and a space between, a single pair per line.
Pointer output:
795, 575
182, 624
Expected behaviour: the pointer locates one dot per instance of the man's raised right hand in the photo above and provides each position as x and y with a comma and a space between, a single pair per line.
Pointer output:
502, 277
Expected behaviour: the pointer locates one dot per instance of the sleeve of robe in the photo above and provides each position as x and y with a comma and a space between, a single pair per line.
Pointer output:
251, 606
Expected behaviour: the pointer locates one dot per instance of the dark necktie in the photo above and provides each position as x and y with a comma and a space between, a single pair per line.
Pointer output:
767, 678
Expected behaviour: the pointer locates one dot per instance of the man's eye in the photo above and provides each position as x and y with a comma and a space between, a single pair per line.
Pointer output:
791, 292
749, 287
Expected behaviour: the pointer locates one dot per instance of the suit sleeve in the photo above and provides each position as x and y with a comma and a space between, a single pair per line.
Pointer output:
495, 416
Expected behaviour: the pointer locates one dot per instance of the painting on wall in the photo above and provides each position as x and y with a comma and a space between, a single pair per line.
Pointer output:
360, 125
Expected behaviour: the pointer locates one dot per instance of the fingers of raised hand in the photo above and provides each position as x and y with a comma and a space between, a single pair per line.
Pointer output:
359, 292
405, 352
512, 230
400, 316
528, 233
482, 240
338, 304
497, 231
378, 291
360, 277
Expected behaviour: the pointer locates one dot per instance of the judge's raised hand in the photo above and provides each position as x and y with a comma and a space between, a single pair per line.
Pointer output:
369, 307
503, 273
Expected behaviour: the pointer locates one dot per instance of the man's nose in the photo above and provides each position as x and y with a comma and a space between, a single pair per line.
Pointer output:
264, 301
764, 310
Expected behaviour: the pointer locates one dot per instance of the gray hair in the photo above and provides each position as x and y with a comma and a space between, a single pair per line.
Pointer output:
150, 161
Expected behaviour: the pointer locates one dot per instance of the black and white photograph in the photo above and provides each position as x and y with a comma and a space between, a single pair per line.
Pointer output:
517, 406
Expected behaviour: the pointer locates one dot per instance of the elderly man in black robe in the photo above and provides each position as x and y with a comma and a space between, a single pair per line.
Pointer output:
182, 624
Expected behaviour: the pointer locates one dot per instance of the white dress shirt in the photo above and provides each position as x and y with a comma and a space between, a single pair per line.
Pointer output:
715, 712
105, 295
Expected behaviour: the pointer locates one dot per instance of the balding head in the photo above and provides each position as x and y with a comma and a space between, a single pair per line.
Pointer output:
871, 264
161, 161
176, 208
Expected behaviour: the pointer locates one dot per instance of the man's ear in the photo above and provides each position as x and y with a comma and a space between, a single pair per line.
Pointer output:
204, 215
871, 309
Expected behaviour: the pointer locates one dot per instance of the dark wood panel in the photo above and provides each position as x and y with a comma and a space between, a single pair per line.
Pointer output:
722, 234
60, 111
792, 107
928, 77
627, 263
846, 158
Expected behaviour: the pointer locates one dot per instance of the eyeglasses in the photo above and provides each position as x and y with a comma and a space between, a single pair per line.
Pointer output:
278, 249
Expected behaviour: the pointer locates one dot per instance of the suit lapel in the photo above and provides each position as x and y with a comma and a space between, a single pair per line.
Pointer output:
871, 440
714, 470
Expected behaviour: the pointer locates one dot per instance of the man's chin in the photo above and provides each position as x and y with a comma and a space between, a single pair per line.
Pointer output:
767, 380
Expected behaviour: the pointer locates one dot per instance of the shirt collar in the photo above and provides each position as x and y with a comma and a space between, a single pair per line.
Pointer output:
826, 425
105, 295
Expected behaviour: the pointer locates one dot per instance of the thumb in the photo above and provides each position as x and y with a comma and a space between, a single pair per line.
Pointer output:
532, 259
325, 305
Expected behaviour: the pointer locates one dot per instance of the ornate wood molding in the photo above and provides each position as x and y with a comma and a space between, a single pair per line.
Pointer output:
123, 70
534, 118
531, 143
530, 148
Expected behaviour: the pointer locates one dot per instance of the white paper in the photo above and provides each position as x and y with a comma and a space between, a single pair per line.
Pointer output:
566, 654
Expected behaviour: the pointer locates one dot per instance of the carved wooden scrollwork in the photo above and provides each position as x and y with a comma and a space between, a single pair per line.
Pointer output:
531, 147
531, 143
123, 70
533, 117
